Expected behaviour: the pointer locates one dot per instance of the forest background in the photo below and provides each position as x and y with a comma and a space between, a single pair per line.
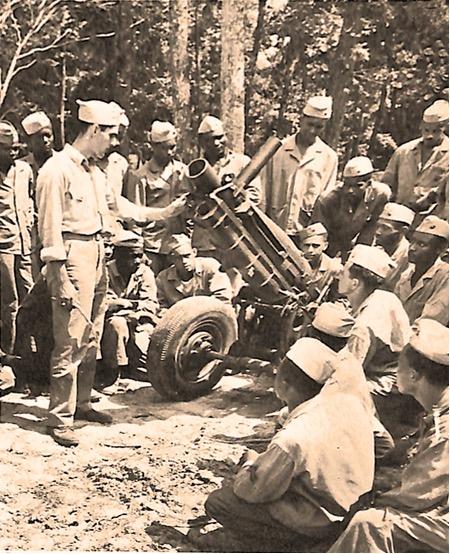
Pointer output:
251, 62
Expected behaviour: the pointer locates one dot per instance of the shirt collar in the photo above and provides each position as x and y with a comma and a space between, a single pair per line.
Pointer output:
443, 146
76, 156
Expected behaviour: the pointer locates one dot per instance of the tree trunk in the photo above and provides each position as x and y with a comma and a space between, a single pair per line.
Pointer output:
232, 84
62, 104
181, 90
341, 69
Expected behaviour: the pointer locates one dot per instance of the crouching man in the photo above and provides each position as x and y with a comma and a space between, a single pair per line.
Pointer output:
413, 516
191, 275
132, 304
314, 469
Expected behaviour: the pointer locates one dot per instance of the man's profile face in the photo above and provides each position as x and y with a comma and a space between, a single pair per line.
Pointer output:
387, 233
8, 153
104, 139
42, 142
423, 248
164, 152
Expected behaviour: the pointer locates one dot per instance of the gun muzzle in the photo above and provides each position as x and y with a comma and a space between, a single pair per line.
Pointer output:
203, 176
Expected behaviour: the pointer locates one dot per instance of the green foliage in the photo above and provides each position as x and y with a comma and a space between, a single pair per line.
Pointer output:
385, 60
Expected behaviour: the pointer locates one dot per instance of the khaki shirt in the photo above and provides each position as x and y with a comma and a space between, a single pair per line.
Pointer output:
292, 182
73, 197
155, 187
231, 164
429, 297
16, 209
141, 288
411, 181
326, 272
424, 482
346, 225
208, 280
319, 464
116, 169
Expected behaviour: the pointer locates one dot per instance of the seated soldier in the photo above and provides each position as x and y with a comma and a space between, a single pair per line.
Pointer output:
423, 287
313, 470
333, 326
413, 516
392, 226
132, 304
381, 325
313, 243
191, 276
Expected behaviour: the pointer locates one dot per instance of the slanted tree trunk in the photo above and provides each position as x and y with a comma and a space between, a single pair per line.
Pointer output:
179, 65
341, 69
232, 84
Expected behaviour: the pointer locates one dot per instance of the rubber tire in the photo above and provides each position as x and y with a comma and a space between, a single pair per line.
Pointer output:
176, 325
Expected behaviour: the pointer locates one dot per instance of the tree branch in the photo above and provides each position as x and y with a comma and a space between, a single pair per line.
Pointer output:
22, 67
54, 44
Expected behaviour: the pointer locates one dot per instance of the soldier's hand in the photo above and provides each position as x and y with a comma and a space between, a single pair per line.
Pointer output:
67, 294
177, 206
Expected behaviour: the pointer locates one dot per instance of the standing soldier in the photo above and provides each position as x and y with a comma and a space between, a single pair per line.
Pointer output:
72, 201
213, 143
16, 219
301, 170
39, 130
418, 170
157, 183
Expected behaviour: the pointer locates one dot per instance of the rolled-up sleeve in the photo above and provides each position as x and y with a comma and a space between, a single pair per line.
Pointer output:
50, 202
267, 478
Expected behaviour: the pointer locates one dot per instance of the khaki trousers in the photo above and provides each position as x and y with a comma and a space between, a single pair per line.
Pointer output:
15, 283
73, 361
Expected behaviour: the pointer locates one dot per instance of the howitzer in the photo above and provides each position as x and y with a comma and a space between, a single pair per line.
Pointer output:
187, 358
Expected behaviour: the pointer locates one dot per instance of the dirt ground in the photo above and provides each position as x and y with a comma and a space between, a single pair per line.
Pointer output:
129, 486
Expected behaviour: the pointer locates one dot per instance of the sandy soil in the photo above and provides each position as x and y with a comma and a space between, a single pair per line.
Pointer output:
129, 486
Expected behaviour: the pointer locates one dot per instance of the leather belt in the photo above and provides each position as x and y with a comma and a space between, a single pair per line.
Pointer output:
78, 236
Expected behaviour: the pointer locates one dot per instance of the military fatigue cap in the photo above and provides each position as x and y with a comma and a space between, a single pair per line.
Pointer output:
314, 230
436, 113
123, 120
319, 106
358, 167
212, 125
312, 357
333, 319
8, 133
372, 258
430, 338
99, 112
397, 212
433, 225
128, 239
162, 131
35, 122
180, 244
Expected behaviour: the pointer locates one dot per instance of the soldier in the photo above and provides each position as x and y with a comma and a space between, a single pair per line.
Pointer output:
390, 231
301, 170
132, 303
381, 324
322, 460
413, 516
418, 170
16, 220
157, 183
313, 243
423, 287
191, 275
213, 143
72, 199
350, 211
39, 130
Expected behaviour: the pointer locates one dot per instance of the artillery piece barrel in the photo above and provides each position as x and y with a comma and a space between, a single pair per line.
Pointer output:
251, 170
